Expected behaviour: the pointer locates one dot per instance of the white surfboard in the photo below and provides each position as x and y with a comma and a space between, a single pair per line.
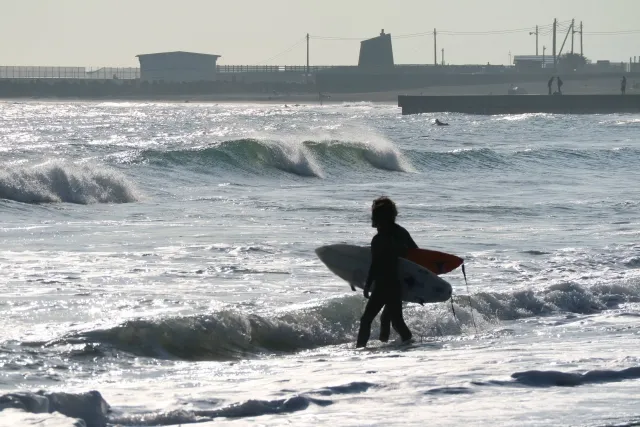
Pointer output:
351, 263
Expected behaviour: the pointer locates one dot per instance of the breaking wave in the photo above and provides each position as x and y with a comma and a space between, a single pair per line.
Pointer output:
233, 334
303, 159
57, 182
323, 158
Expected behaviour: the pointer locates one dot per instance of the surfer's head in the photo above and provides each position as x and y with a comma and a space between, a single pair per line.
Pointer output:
383, 212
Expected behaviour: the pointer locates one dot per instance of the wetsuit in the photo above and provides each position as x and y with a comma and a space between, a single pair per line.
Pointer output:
386, 247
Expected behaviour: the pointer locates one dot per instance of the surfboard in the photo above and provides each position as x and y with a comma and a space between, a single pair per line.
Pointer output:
351, 263
437, 262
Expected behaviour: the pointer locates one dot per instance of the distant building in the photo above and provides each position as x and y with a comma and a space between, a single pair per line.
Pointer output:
532, 62
376, 52
177, 66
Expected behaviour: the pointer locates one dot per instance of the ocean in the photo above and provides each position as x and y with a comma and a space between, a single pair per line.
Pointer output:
158, 266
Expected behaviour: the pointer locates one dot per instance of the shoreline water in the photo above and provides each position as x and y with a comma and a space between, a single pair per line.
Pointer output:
163, 255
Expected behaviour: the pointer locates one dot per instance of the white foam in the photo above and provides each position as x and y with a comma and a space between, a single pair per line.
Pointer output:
295, 158
17, 417
56, 182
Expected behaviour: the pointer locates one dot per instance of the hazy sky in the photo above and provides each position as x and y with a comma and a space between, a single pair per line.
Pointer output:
111, 32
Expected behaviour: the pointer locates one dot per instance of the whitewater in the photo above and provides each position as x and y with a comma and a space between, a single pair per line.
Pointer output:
158, 266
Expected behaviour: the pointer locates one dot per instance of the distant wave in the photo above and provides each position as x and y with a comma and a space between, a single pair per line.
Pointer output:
57, 182
485, 158
244, 154
304, 159
334, 157
385, 157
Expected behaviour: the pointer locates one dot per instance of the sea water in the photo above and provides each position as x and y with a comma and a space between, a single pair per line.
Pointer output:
158, 266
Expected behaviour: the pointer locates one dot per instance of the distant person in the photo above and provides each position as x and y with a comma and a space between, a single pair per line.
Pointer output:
623, 85
559, 85
391, 242
439, 123
549, 84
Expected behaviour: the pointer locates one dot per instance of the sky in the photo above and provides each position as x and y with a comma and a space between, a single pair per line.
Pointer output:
99, 33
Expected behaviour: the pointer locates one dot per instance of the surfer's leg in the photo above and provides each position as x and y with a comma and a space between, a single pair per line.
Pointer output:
385, 325
374, 305
397, 320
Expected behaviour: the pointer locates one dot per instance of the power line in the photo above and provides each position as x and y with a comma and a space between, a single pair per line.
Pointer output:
544, 29
289, 49
612, 33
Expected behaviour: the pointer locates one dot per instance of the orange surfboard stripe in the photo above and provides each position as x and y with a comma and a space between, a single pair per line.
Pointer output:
435, 261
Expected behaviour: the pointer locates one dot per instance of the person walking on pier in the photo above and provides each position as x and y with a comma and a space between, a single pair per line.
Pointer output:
549, 84
623, 85
559, 85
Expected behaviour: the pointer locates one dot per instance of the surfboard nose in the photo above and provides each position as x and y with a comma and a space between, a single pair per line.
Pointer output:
321, 252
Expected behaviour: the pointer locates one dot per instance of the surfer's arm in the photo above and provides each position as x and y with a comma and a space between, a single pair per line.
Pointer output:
372, 268
411, 244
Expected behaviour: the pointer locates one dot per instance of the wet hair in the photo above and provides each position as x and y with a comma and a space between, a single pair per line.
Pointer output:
383, 210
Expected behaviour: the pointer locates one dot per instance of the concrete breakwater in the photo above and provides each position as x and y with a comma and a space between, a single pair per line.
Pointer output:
520, 104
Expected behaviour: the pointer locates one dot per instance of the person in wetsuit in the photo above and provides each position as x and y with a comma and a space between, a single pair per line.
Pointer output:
390, 243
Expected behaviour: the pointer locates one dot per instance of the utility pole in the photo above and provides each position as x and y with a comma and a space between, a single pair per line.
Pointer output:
307, 57
581, 52
536, 33
435, 47
442, 56
573, 31
555, 60
544, 50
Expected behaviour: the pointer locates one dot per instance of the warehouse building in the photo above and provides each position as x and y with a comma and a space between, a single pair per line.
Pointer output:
177, 67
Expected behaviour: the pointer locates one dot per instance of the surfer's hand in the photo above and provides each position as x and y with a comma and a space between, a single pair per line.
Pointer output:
353, 288
366, 291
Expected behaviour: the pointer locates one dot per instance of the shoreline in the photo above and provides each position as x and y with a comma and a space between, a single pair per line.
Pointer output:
595, 86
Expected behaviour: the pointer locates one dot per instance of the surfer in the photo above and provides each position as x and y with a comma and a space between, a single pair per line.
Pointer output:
439, 123
387, 245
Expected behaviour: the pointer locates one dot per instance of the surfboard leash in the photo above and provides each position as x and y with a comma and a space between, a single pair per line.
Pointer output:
455, 317
464, 273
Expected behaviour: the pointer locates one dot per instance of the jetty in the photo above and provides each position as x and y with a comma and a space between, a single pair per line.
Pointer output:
520, 104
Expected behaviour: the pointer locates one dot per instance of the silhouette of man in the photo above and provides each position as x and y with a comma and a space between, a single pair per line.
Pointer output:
559, 86
390, 243
549, 84
623, 85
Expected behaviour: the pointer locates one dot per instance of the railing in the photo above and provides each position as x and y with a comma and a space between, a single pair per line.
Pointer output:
270, 68
133, 73
104, 73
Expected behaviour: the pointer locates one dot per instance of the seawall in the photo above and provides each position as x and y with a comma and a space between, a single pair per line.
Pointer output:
520, 104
